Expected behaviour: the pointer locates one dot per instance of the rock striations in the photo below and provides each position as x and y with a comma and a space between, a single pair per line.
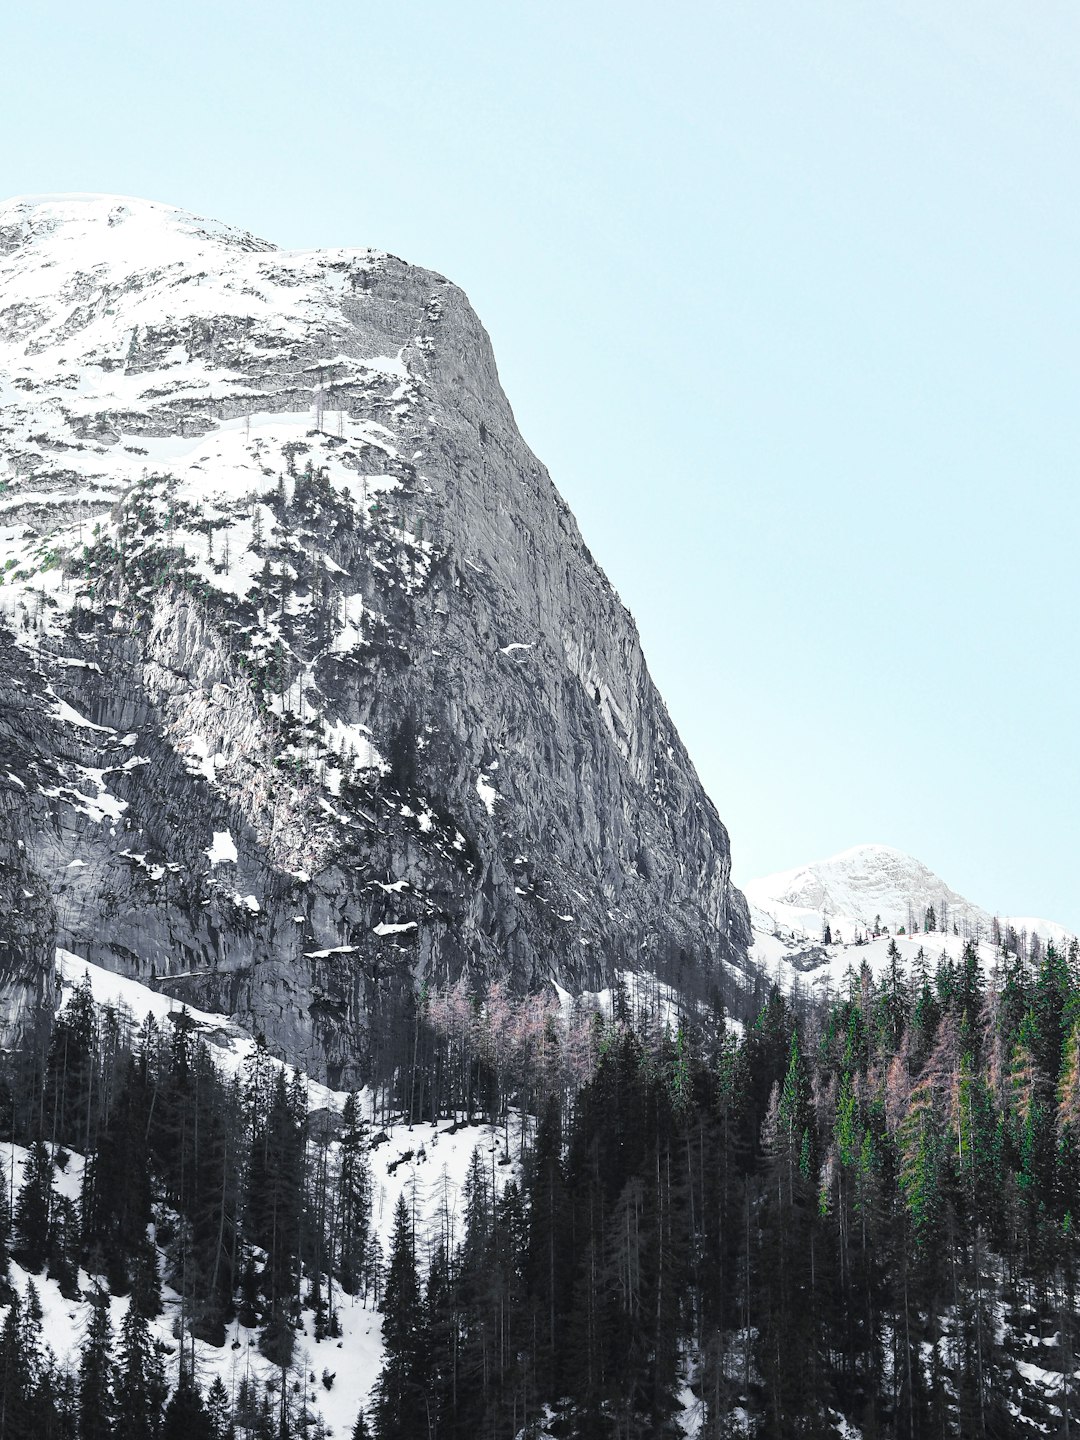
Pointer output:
311, 690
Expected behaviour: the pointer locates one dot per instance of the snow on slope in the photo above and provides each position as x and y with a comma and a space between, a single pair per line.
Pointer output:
433, 1158
825, 969
101, 346
856, 888
138, 344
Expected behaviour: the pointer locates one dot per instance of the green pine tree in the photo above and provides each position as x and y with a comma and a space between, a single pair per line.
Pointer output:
400, 1405
97, 1406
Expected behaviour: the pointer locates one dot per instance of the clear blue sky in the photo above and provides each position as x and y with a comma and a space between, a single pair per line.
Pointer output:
786, 294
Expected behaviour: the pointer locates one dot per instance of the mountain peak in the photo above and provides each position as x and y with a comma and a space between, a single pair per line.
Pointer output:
857, 887
91, 229
869, 883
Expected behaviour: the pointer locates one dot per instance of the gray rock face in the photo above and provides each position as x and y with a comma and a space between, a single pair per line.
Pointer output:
311, 689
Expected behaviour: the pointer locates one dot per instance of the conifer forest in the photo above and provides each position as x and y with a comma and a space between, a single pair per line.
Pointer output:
855, 1211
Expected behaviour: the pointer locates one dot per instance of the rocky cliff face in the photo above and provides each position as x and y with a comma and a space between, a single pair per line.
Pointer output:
310, 688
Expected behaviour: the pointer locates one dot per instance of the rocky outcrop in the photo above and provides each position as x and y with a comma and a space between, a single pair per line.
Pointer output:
319, 692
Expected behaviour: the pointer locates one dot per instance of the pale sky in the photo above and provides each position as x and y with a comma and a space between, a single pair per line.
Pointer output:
786, 294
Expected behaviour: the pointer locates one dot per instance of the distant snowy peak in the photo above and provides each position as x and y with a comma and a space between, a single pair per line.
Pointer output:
871, 885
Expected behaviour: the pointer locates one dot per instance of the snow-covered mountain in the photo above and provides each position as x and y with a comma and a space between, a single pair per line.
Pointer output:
866, 889
309, 686
854, 889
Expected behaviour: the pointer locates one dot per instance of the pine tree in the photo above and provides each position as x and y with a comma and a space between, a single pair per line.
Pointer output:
275, 1194
97, 1412
1068, 1127
549, 1265
68, 1099
920, 1177
185, 1415
64, 1246
219, 1411
116, 1186
400, 1408
140, 1381
29, 1384
353, 1196
16, 1380
443, 1326
5, 1230
32, 1207
145, 1279
794, 1117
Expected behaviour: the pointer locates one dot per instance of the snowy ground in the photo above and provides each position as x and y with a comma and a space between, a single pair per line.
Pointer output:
785, 960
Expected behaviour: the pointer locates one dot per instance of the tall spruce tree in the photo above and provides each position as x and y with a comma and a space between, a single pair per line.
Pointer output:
32, 1210
16, 1381
219, 1411
186, 1417
97, 1404
401, 1401
140, 1387
353, 1196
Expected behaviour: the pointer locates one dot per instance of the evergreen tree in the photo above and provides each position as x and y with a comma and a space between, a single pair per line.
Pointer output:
548, 1261
97, 1411
354, 1197
140, 1381
920, 1177
794, 1118
5, 1231
219, 1411
64, 1246
275, 1198
116, 1185
16, 1380
186, 1416
142, 1264
68, 1107
32, 1208
400, 1405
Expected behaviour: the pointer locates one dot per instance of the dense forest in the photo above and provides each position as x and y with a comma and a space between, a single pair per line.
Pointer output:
859, 1212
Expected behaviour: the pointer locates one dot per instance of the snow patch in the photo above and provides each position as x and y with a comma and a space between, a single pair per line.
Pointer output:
487, 792
223, 849
387, 929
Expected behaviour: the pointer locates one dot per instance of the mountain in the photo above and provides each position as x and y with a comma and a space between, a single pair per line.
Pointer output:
310, 690
856, 887
868, 888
